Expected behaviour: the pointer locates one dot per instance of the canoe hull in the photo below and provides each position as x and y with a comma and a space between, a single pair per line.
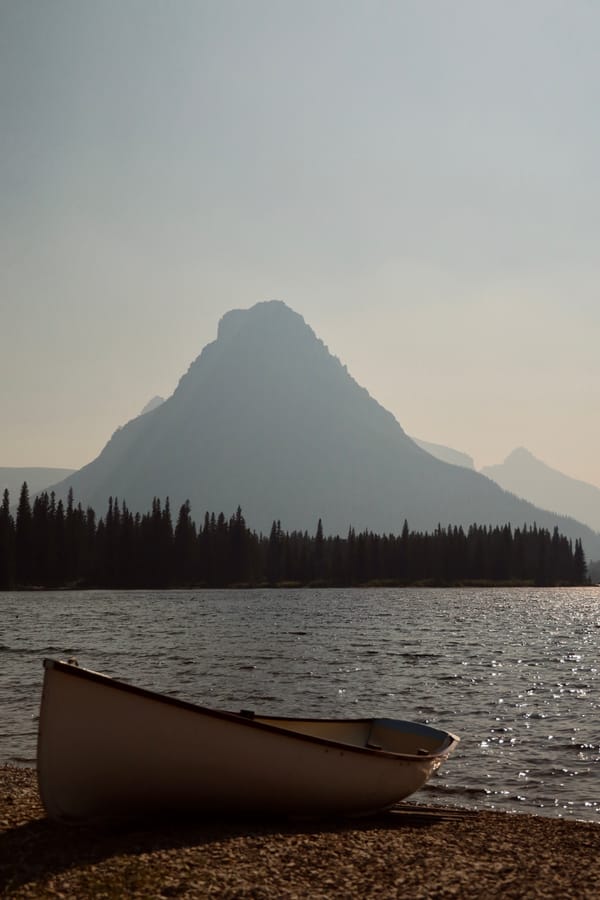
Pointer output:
106, 750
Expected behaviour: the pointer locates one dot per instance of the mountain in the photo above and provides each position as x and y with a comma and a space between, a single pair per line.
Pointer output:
152, 404
532, 479
38, 478
447, 454
266, 418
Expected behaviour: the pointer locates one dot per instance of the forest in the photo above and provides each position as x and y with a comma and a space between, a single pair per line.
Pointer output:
49, 545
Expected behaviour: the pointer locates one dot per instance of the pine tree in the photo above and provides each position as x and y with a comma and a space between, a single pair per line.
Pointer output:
319, 554
42, 548
580, 573
185, 547
205, 550
7, 544
275, 554
24, 538
238, 549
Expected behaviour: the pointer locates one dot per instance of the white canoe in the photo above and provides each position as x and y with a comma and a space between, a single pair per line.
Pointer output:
107, 749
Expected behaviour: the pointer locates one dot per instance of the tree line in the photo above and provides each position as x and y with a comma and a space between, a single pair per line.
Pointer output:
48, 544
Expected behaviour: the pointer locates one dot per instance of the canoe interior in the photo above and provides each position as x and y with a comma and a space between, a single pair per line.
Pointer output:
387, 735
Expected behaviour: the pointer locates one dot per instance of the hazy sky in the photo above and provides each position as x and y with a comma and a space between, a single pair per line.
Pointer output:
419, 180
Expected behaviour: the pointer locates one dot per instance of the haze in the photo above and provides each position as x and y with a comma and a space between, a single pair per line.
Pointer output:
417, 179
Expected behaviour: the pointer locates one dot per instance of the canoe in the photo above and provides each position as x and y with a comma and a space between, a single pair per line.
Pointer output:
110, 750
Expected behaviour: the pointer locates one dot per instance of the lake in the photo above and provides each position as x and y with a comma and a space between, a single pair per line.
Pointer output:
514, 672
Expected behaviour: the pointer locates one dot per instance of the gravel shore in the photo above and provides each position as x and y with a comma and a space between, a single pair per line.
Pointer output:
416, 852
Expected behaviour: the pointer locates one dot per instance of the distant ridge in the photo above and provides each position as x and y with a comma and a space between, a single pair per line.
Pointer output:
266, 418
152, 404
38, 478
529, 477
447, 454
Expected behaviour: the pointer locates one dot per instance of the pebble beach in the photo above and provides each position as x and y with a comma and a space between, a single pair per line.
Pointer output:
413, 852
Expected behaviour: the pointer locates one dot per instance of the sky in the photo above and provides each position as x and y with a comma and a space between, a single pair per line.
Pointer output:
418, 179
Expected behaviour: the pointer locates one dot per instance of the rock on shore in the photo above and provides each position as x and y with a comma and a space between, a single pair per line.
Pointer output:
414, 853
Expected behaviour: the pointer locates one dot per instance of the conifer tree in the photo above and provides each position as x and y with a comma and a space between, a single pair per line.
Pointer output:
205, 550
238, 548
319, 554
50, 546
7, 544
24, 538
41, 541
185, 547
580, 574
275, 554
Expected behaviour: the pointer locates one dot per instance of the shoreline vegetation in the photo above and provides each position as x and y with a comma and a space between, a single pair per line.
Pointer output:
290, 585
415, 851
49, 545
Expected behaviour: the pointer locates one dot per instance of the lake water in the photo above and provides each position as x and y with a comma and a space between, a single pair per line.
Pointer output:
515, 673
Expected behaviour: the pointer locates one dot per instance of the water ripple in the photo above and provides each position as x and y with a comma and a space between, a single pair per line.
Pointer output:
514, 672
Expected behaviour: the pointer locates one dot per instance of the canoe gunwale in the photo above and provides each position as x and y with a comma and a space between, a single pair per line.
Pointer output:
244, 719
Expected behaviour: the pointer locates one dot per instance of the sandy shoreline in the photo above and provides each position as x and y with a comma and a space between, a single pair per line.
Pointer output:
409, 854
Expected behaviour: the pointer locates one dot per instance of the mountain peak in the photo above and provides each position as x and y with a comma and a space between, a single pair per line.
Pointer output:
152, 404
264, 342
528, 477
520, 454
269, 322
267, 313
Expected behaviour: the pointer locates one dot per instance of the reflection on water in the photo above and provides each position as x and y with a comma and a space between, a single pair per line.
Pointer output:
513, 672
